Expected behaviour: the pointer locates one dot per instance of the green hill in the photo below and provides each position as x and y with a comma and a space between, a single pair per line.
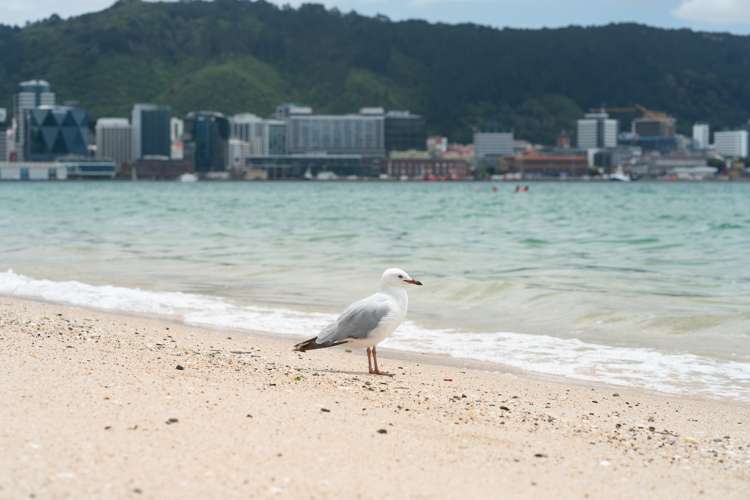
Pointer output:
238, 55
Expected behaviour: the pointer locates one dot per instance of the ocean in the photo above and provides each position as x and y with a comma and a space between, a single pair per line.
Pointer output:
632, 284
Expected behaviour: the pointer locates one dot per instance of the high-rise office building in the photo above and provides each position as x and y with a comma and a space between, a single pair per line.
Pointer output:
732, 143
597, 130
207, 141
114, 140
31, 94
493, 144
54, 132
404, 132
151, 131
362, 134
701, 135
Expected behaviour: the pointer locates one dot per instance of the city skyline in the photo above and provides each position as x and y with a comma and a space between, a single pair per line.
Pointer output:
702, 15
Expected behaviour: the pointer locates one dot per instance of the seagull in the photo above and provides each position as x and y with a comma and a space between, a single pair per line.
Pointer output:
369, 321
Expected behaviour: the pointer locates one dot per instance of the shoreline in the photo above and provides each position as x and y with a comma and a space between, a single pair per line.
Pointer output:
444, 358
97, 406
437, 358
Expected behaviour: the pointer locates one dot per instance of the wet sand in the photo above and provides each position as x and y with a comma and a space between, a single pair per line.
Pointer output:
98, 405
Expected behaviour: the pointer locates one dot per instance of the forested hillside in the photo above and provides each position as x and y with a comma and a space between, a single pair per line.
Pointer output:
241, 55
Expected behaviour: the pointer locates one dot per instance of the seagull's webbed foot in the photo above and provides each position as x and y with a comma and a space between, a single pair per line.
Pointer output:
384, 374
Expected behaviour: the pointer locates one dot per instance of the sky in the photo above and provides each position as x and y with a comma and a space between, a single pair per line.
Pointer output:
710, 15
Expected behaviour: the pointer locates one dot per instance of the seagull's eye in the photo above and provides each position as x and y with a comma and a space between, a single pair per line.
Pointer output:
401, 276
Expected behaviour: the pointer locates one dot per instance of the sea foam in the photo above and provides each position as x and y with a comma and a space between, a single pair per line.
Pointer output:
682, 373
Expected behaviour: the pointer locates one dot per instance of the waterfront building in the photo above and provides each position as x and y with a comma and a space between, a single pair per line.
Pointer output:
732, 143
206, 141
302, 166
672, 165
253, 131
493, 144
151, 131
4, 121
85, 168
53, 132
701, 135
539, 165
239, 152
277, 137
156, 169
176, 131
114, 140
427, 168
31, 94
89, 168
597, 131
360, 134
32, 171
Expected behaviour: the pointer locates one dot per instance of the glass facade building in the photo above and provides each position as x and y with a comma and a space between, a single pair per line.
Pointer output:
151, 131
54, 132
405, 132
3, 134
206, 141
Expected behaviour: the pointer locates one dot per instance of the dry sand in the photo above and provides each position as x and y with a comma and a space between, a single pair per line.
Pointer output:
94, 405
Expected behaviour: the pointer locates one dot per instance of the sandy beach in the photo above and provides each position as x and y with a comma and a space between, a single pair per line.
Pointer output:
97, 405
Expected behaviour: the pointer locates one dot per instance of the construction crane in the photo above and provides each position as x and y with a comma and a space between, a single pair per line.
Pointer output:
644, 111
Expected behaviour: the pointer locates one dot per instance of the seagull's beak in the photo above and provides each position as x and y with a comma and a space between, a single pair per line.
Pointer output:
413, 282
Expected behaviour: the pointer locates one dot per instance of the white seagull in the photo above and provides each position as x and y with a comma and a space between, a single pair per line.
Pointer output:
370, 321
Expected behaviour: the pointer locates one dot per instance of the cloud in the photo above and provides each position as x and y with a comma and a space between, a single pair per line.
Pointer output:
714, 11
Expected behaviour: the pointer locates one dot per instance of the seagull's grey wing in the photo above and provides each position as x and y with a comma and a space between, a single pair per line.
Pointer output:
357, 321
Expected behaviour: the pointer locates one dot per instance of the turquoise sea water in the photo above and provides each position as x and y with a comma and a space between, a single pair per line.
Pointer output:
617, 269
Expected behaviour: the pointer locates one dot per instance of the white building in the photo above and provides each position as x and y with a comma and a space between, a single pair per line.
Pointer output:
32, 171
114, 140
239, 152
489, 144
702, 135
597, 130
30, 95
732, 143
252, 130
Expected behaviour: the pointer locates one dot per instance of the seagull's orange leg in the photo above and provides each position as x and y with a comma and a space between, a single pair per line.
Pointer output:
369, 362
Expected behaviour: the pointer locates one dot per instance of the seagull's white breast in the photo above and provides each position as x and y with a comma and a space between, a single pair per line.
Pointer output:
398, 302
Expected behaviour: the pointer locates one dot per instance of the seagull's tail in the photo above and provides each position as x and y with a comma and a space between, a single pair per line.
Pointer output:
311, 345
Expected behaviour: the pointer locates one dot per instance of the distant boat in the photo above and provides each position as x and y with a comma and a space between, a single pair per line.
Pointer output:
327, 176
619, 176
187, 177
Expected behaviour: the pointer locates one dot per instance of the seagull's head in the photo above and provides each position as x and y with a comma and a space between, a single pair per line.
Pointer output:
398, 277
